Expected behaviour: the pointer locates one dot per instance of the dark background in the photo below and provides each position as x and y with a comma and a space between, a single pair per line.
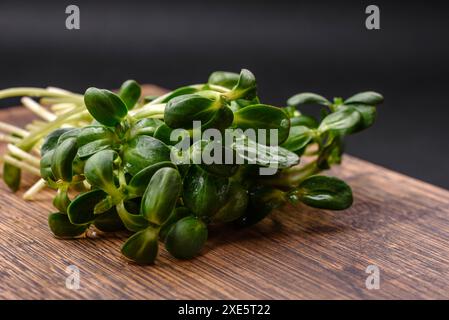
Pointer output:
319, 46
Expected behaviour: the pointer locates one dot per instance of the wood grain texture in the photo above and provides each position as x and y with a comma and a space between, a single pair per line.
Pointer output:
397, 223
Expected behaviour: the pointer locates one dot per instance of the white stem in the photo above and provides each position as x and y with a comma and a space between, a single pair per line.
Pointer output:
37, 109
58, 90
148, 110
211, 87
38, 186
32, 127
13, 129
37, 150
63, 106
38, 92
63, 99
25, 156
22, 165
9, 139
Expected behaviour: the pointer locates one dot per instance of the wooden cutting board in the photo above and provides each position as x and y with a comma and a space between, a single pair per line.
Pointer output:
397, 223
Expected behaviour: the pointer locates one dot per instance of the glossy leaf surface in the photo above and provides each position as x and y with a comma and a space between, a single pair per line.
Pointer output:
161, 195
235, 206
61, 226
186, 238
368, 97
307, 98
140, 181
142, 247
181, 111
130, 92
105, 106
144, 151
204, 193
62, 160
81, 209
325, 193
263, 117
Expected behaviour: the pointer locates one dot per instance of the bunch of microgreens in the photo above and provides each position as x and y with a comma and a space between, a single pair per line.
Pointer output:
114, 151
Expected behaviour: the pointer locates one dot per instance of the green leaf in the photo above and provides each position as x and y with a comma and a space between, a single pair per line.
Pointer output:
163, 133
161, 195
324, 192
94, 133
109, 221
138, 183
235, 206
93, 147
12, 176
181, 111
262, 200
61, 227
220, 167
130, 92
146, 126
304, 120
368, 97
246, 87
298, 138
45, 166
343, 121
186, 238
105, 106
108, 202
262, 155
142, 247
307, 98
51, 140
178, 92
238, 104
368, 114
99, 170
81, 209
62, 160
264, 117
133, 222
222, 120
61, 201
143, 151
176, 215
204, 193
224, 79
69, 134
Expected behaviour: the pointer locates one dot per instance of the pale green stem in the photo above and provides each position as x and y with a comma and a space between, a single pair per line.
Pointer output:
38, 186
36, 108
75, 114
9, 139
22, 165
149, 111
23, 155
196, 86
13, 129
38, 92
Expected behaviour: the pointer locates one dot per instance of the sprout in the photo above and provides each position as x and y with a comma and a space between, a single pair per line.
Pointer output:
116, 153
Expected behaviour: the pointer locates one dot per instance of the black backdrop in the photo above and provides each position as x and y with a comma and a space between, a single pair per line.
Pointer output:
320, 46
